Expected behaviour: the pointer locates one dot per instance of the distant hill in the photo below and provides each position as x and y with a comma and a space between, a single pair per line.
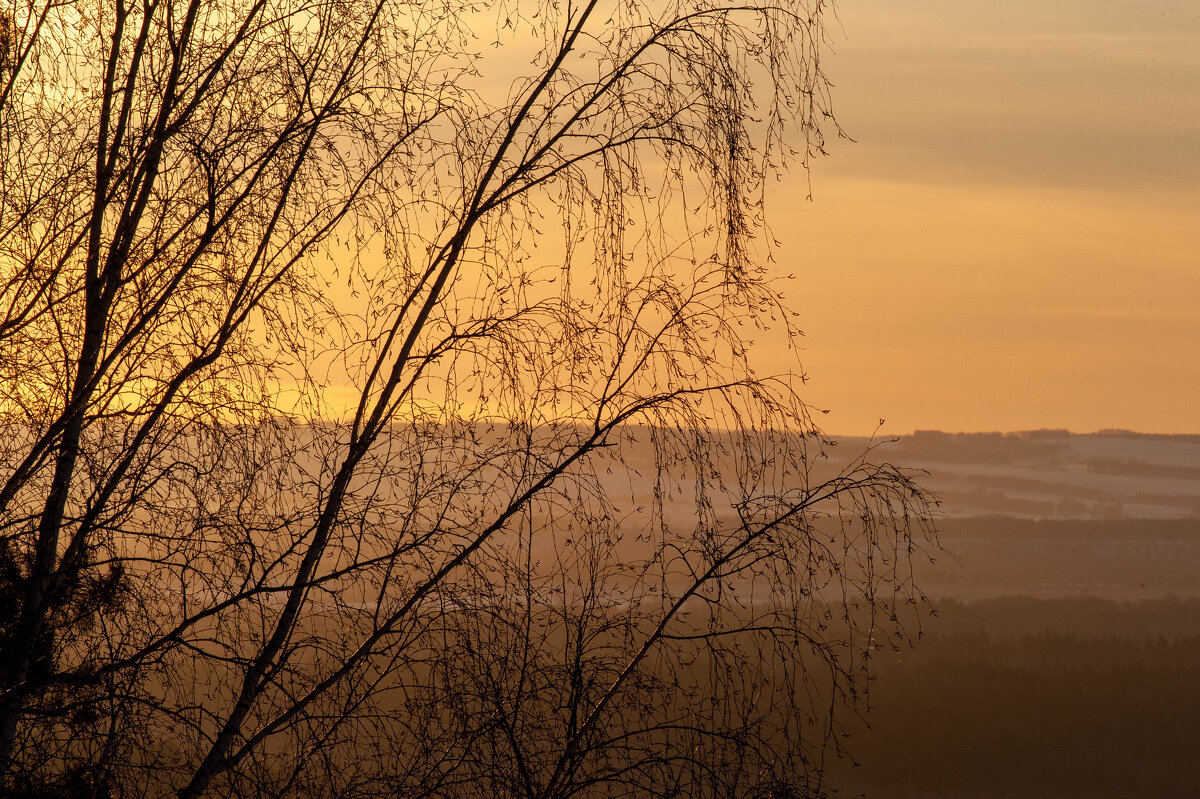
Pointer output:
1056, 474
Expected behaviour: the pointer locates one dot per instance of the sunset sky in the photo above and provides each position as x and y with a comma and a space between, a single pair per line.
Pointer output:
1013, 241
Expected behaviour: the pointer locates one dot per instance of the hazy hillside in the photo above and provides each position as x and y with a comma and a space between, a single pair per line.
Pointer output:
1064, 656
1048, 513
1054, 474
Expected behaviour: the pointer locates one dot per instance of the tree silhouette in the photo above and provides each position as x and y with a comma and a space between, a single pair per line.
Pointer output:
561, 538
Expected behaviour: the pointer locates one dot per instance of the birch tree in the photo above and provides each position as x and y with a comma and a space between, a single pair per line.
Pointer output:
381, 412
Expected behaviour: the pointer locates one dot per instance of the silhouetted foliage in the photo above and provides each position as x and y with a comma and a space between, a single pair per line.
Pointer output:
309, 414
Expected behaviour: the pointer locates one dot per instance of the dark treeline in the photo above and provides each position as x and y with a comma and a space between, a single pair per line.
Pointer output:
1018, 697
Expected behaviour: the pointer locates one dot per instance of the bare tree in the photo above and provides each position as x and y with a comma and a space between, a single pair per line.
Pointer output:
561, 539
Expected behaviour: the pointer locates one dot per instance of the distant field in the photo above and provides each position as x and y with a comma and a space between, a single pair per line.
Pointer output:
1056, 474
1051, 514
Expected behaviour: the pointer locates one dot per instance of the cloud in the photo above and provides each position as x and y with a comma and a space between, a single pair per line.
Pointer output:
1084, 94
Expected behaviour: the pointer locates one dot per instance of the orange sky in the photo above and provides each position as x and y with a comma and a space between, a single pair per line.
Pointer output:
1014, 240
